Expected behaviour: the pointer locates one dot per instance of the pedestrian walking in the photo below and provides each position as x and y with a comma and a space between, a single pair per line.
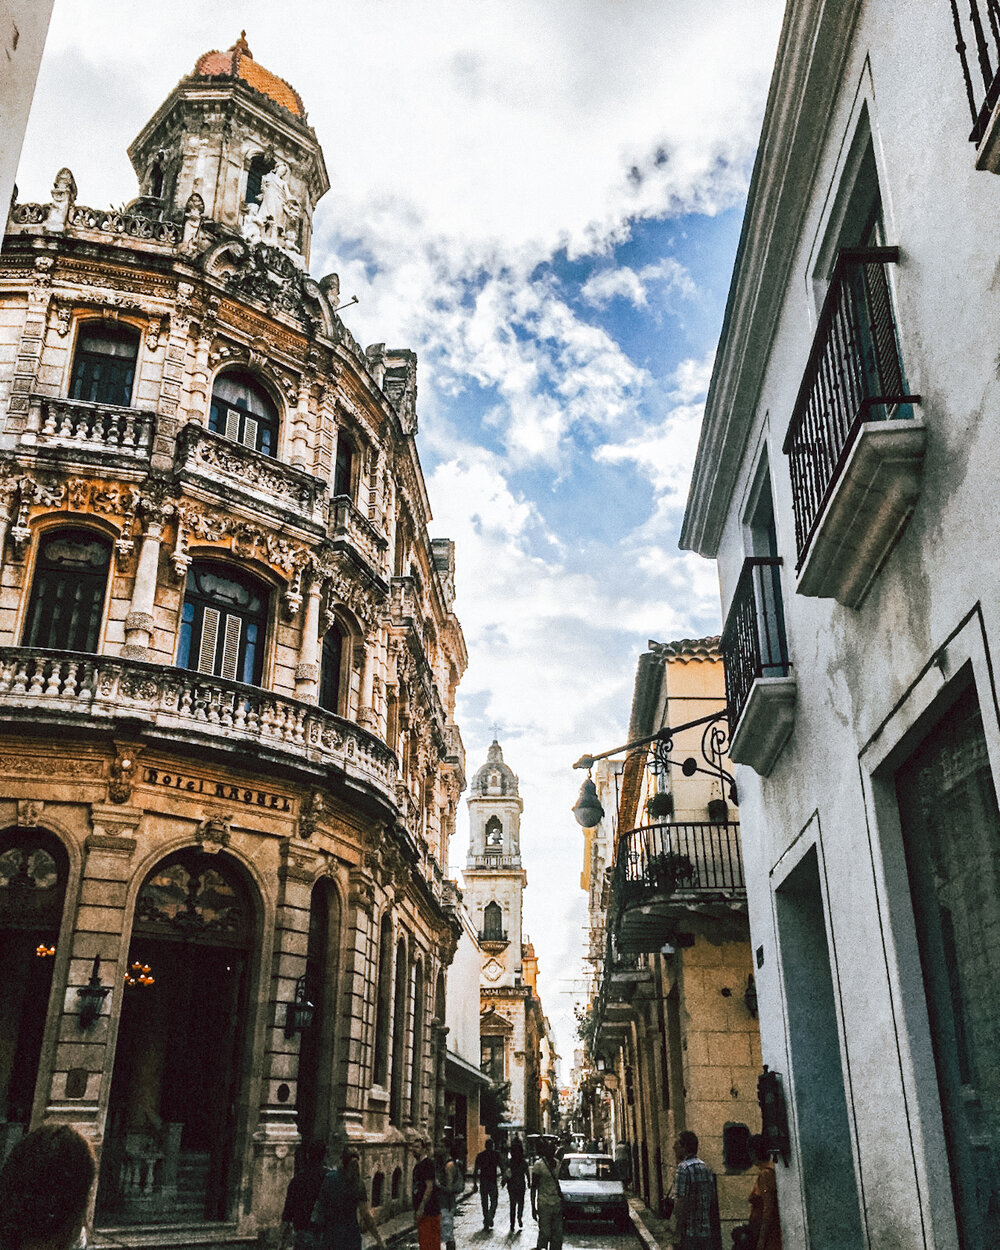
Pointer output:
300, 1198
427, 1200
546, 1198
45, 1184
452, 1182
485, 1174
517, 1182
696, 1205
765, 1226
342, 1207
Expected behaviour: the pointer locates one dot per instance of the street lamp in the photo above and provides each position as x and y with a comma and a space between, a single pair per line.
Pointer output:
714, 744
92, 996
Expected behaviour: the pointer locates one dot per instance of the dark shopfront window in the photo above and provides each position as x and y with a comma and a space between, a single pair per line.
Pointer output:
223, 623
104, 363
951, 832
67, 593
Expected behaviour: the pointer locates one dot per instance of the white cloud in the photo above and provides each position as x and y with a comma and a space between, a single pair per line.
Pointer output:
621, 282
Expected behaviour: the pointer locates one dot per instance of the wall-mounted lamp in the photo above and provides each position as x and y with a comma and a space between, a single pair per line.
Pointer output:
750, 996
299, 1013
587, 809
92, 996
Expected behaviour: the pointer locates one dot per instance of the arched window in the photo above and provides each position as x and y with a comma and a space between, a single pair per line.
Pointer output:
104, 363
493, 922
243, 411
494, 832
33, 870
416, 1073
398, 1036
344, 468
223, 623
336, 646
259, 166
156, 180
67, 594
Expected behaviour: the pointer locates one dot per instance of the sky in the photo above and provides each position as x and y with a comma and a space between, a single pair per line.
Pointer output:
543, 199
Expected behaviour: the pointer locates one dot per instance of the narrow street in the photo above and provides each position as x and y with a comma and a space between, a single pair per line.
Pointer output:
469, 1231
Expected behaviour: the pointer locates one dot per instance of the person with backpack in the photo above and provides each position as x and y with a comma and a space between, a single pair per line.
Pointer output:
546, 1198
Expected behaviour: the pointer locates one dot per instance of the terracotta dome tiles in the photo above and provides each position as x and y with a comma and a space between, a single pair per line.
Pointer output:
238, 62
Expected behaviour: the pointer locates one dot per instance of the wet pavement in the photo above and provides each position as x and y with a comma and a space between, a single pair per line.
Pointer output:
469, 1232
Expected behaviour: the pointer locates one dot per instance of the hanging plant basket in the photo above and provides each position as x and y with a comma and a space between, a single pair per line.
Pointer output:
669, 871
718, 811
660, 805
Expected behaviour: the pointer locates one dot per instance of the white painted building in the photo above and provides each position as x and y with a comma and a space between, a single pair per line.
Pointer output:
23, 27
845, 482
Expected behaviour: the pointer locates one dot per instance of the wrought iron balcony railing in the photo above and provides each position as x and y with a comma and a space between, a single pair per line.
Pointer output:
492, 935
854, 374
977, 37
188, 706
753, 641
684, 859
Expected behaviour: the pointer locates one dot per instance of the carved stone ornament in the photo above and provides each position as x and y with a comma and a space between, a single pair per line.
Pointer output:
214, 832
246, 539
361, 895
124, 771
29, 813
310, 814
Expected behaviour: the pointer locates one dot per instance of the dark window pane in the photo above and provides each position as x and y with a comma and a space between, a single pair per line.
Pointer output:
223, 623
242, 410
104, 364
342, 471
67, 593
329, 681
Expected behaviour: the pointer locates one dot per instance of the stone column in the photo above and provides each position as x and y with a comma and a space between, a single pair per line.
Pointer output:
307, 669
358, 985
139, 622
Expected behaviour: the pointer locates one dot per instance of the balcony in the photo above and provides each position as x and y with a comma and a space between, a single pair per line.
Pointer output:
855, 450
348, 524
977, 31
493, 939
665, 875
760, 693
240, 474
77, 431
188, 711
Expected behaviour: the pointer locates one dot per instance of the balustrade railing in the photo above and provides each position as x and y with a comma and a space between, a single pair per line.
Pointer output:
96, 427
854, 374
977, 36
175, 699
684, 858
753, 642
131, 225
492, 935
347, 521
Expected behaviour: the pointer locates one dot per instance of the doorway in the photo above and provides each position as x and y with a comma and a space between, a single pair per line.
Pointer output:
170, 1144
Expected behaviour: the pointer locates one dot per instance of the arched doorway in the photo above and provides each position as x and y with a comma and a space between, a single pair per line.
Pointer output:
314, 1104
172, 1123
33, 870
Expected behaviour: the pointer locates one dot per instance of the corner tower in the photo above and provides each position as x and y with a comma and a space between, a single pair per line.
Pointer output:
494, 878
231, 142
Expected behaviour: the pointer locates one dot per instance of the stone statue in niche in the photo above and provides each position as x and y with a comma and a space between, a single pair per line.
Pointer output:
274, 220
63, 199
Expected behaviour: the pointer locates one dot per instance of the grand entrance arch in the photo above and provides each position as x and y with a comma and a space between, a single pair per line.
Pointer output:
33, 870
169, 1153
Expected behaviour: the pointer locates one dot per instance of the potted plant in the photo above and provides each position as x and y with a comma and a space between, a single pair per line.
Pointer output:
669, 870
718, 811
660, 805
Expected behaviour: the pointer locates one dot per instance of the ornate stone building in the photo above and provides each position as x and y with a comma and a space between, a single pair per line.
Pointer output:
512, 1023
228, 662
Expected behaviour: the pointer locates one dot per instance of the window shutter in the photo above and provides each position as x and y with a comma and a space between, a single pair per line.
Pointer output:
233, 424
231, 648
250, 433
209, 640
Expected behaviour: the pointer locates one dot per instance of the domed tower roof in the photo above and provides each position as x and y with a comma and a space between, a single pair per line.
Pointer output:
495, 777
238, 62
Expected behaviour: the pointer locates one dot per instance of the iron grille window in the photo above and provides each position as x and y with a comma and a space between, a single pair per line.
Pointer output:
978, 44
330, 666
243, 411
753, 642
67, 594
223, 624
854, 374
104, 364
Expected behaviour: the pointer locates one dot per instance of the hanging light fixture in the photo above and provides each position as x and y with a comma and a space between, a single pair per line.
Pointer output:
92, 996
587, 809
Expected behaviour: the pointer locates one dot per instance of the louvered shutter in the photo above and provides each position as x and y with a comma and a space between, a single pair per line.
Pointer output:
209, 640
231, 648
250, 433
233, 424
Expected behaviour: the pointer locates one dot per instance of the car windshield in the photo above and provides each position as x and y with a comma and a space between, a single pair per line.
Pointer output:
587, 1170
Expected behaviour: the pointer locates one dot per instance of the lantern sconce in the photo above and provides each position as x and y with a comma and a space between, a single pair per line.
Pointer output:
750, 996
92, 996
299, 1013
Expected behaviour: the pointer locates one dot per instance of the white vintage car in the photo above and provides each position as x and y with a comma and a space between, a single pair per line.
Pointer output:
592, 1190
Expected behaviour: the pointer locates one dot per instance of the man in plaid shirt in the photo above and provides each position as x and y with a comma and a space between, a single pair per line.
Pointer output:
694, 1194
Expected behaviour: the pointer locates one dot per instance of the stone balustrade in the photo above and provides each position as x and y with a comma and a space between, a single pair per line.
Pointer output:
78, 425
104, 221
232, 469
179, 704
348, 523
